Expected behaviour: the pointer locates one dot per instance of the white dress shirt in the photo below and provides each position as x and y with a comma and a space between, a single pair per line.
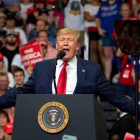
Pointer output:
71, 69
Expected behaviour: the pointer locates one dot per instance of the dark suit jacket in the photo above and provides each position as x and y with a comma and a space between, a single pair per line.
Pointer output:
123, 125
90, 80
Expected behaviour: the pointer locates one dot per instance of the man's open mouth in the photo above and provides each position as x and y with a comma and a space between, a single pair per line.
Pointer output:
66, 51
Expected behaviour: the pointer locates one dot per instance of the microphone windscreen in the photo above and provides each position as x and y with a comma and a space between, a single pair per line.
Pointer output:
61, 54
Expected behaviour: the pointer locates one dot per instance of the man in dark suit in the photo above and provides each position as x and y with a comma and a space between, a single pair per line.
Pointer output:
83, 77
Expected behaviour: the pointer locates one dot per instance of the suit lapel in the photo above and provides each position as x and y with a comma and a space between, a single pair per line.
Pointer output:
81, 72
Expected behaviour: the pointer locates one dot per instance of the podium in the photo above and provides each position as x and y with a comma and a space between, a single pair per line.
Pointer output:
86, 118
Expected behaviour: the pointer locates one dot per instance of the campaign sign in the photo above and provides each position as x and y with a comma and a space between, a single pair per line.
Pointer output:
30, 55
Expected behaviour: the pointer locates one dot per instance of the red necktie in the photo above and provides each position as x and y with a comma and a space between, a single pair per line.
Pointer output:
61, 85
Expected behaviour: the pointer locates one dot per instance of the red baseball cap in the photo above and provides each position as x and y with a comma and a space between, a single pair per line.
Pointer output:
31, 10
8, 128
51, 1
1, 57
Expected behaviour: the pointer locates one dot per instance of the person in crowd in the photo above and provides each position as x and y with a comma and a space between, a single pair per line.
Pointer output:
19, 77
74, 18
90, 10
3, 69
125, 82
43, 14
4, 58
39, 4
10, 49
12, 5
4, 82
2, 23
2, 6
3, 120
48, 51
125, 12
32, 16
51, 51
125, 123
107, 14
83, 77
10, 26
58, 17
43, 25
24, 6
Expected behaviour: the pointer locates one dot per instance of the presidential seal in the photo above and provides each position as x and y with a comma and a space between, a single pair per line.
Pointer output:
53, 117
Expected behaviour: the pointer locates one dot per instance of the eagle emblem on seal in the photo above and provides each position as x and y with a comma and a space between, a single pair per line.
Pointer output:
53, 117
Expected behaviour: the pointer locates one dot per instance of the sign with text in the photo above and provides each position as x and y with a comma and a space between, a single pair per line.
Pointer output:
31, 54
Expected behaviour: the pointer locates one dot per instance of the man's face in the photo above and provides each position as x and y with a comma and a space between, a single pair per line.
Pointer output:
44, 17
39, 5
50, 6
4, 82
19, 77
125, 11
10, 22
2, 21
68, 43
43, 36
40, 25
11, 40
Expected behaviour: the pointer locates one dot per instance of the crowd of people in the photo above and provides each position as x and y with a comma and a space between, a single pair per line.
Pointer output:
25, 21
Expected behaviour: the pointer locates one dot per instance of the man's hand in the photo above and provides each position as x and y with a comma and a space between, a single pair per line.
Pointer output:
29, 70
50, 43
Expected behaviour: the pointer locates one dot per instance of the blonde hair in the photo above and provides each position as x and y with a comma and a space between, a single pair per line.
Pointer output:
75, 32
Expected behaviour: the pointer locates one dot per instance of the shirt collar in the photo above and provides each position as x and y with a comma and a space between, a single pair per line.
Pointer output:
71, 63
123, 114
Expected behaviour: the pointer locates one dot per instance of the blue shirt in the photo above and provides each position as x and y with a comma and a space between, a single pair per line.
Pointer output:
108, 13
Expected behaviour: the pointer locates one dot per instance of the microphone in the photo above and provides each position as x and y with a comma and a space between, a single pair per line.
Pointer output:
60, 55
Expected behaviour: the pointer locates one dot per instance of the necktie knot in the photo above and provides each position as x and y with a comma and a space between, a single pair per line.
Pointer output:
65, 63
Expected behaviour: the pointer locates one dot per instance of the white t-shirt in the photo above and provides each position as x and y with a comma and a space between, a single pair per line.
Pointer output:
11, 80
23, 10
6, 63
93, 10
74, 16
22, 35
17, 61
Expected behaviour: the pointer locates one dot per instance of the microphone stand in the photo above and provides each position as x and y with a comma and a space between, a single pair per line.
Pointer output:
54, 77
136, 97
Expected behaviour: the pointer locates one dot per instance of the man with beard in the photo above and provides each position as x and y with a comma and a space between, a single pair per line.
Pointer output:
10, 26
10, 49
